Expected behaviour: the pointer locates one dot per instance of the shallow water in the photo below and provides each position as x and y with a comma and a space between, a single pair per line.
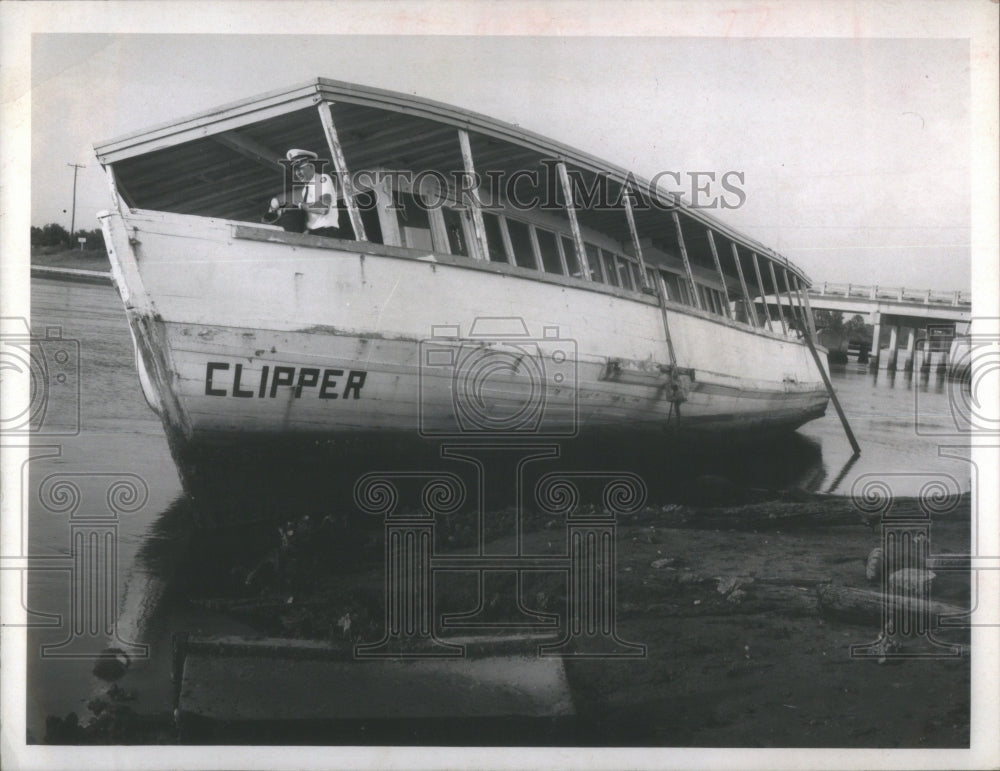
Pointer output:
903, 423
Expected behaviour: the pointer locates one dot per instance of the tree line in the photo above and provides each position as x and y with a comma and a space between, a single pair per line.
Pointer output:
56, 235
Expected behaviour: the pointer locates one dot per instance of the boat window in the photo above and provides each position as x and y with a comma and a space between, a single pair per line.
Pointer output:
494, 238
706, 301
651, 278
414, 224
520, 241
367, 204
637, 276
569, 252
454, 225
673, 287
610, 268
721, 302
549, 251
594, 263
625, 271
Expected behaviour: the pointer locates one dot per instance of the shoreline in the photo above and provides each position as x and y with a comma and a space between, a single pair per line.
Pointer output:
78, 275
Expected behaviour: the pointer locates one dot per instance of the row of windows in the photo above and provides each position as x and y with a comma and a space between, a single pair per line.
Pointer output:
526, 245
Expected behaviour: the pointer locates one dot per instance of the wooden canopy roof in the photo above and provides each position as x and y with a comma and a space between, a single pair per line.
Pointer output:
225, 162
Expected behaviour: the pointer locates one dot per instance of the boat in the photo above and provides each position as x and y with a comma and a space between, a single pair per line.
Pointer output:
481, 282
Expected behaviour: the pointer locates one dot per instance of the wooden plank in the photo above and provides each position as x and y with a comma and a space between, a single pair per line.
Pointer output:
722, 276
250, 148
118, 195
602, 267
535, 248
661, 296
777, 297
574, 225
760, 288
634, 233
340, 165
869, 605
751, 311
508, 245
687, 262
562, 254
796, 311
388, 222
477, 213
804, 295
439, 233
218, 120
833, 396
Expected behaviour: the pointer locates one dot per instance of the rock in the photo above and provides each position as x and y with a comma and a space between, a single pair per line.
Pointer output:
873, 565
731, 584
111, 664
662, 562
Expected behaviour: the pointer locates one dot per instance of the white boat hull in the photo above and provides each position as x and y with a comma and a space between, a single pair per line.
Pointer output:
243, 339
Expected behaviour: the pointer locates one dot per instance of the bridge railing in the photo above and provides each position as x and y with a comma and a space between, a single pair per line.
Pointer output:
897, 293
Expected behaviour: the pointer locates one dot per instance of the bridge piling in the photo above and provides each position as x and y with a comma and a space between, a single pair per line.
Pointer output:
893, 348
875, 355
910, 344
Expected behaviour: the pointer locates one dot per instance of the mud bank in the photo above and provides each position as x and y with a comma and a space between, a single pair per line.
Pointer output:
747, 616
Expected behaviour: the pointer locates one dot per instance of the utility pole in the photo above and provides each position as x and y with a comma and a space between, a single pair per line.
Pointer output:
72, 222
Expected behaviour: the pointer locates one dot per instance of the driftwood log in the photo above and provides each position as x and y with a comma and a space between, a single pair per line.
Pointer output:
866, 605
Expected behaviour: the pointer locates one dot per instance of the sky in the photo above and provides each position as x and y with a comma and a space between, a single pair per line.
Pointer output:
855, 151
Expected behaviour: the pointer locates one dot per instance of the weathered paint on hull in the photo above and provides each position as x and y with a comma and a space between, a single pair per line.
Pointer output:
232, 382
347, 334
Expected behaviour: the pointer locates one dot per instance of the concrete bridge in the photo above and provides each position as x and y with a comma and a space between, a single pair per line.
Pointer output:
934, 317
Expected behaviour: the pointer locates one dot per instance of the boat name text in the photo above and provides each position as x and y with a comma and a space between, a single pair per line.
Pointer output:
326, 383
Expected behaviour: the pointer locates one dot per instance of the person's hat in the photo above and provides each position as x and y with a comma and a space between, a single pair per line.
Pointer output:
297, 156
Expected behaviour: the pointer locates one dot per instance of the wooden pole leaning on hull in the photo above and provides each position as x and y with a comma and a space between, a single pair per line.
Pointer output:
718, 268
657, 288
807, 335
687, 263
634, 233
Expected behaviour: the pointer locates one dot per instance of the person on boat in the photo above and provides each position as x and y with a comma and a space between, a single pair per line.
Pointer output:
312, 204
